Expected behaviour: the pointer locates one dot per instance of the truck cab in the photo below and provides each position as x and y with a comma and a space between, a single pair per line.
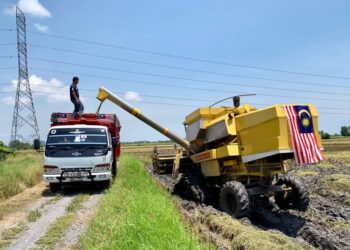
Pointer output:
84, 150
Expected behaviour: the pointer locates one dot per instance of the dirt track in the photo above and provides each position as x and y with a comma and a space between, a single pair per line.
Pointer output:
326, 224
49, 208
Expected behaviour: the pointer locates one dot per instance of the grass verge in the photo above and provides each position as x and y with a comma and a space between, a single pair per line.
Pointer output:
58, 227
136, 214
19, 172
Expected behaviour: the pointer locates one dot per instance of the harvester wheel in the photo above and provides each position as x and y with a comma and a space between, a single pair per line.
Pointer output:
114, 168
234, 199
189, 186
55, 187
296, 195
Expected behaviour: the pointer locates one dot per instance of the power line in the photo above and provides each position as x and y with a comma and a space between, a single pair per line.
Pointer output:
185, 69
186, 88
6, 44
163, 97
172, 104
8, 29
9, 68
186, 79
191, 58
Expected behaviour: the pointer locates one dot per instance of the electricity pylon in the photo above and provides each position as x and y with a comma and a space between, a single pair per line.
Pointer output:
24, 123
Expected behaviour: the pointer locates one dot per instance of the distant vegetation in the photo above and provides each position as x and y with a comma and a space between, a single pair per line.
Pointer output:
146, 142
20, 145
4, 150
345, 131
325, 135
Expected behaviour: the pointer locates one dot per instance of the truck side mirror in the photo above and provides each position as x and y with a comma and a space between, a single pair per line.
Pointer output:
114, 142
36, 144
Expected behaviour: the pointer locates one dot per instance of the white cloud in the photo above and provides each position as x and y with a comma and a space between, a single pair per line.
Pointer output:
132, 96
8, 100
41, 28
31, 7
54, 89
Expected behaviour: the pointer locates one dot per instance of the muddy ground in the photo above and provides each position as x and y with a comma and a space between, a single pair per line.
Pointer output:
325, 225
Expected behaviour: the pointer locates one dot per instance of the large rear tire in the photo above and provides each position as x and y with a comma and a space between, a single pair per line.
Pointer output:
55, 187
234, 199
296, 196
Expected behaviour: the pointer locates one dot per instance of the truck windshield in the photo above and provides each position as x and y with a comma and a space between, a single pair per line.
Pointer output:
77, 142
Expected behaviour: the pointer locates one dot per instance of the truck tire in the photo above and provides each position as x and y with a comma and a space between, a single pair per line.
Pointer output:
55, 187
114, 168
234, 199
297, 197
105, 184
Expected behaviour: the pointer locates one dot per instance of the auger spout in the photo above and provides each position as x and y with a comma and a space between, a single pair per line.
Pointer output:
104, 94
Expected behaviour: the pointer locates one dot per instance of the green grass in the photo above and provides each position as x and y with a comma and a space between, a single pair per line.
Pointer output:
19, 172
34, 215
137, 214
56, 230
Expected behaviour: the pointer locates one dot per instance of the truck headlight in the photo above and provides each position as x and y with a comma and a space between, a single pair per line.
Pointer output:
102, 168
51, 169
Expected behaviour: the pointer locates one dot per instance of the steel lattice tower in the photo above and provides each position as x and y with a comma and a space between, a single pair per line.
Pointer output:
24, 123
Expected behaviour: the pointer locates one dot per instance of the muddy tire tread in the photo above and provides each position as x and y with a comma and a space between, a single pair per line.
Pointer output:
300, 192
240, 192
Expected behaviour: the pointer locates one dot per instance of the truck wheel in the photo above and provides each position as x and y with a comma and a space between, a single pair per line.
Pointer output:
55, 187
105, 184
114, 168
296, 196
234, 199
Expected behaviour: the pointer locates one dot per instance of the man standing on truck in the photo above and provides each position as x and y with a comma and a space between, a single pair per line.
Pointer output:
74, 97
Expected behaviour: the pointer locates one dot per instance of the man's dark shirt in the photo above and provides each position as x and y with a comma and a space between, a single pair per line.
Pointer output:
73, 89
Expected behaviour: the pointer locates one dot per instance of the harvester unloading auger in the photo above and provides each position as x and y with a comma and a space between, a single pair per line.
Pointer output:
235, 156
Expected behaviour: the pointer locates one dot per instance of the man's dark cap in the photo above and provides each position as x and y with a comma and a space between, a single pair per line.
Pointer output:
75, 78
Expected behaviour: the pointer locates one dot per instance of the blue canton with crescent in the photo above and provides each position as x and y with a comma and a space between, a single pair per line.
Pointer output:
304, 119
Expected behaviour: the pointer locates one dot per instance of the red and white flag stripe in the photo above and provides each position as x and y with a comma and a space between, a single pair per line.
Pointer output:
306, 149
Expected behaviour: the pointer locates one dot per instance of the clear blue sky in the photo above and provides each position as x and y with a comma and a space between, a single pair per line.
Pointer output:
301, 36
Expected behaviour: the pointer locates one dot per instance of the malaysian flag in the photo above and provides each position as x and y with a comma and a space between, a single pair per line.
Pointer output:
306, 149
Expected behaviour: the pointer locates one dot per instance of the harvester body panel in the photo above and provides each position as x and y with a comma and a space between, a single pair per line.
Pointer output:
265, 132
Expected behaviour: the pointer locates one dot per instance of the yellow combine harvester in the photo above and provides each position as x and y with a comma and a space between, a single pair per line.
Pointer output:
232, 156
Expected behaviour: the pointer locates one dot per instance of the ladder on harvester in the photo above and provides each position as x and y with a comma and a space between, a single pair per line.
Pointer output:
176, 164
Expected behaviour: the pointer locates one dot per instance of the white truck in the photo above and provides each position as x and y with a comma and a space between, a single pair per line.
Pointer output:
85, 150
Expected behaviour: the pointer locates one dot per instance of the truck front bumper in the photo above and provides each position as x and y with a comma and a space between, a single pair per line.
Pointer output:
85, 177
